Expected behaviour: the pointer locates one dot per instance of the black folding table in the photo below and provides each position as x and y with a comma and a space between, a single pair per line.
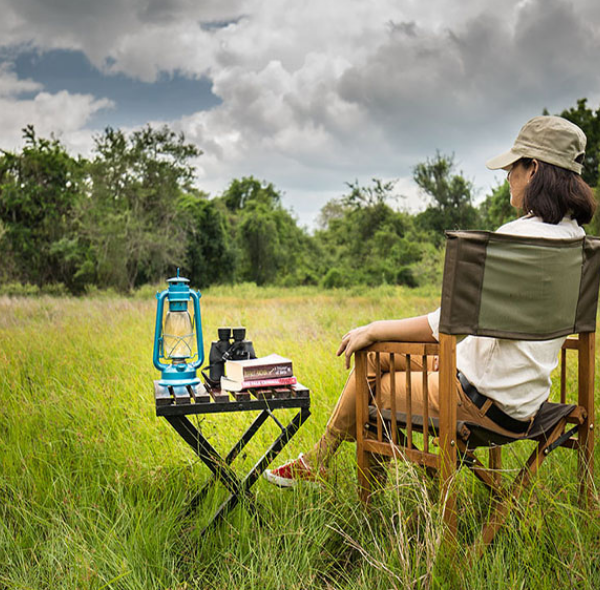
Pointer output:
176, 404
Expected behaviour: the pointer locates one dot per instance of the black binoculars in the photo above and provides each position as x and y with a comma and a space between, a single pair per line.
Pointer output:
231, 345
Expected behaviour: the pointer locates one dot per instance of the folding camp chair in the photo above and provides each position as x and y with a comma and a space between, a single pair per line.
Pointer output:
502, 286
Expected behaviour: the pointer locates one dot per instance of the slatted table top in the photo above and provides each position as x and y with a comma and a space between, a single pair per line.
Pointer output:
178, 401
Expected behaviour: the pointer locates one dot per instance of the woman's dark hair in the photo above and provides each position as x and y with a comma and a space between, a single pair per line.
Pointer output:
554, 192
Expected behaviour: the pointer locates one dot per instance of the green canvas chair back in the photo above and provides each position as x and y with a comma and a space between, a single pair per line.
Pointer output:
518, 287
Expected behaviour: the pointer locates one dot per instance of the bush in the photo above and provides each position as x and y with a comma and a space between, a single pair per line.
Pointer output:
405, 276
15, 289
334, 279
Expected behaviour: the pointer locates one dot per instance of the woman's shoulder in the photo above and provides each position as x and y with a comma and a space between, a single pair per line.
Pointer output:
530, 225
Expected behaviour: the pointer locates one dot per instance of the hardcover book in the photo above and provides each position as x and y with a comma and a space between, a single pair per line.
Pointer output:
273, 366
233, 385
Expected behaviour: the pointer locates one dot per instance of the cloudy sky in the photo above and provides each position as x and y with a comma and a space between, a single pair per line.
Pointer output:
307, 94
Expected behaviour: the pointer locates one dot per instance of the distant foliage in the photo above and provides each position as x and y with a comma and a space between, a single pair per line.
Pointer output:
496, 210
40, 189
267, 244
210, 254
589, 121
133, 220
130, 215
367, 241
450, 197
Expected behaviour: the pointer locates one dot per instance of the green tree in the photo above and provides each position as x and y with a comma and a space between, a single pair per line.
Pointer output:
365, 240
451, 196
210, 257
496, 210
243, 191
259, 237
132, 219
589, 121
39, 192
271, 248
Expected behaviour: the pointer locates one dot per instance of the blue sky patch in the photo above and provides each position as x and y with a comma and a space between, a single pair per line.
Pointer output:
215, 25
172, 96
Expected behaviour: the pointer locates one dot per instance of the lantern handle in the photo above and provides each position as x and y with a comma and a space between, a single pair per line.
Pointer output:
158, 329
198, 319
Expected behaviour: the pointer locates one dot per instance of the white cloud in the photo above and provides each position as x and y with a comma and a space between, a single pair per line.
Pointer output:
137, 37
381, 90
62, 113
322, 92
11, 85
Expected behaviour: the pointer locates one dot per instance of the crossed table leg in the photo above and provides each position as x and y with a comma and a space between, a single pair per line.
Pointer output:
220, 466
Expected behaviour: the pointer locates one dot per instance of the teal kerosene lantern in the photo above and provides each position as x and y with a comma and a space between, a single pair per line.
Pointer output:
178, 348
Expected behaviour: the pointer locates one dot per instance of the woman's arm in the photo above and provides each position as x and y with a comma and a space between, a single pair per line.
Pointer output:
415, 329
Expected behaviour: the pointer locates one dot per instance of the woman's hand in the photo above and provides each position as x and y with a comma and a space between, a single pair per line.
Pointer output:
354, 340
415, 329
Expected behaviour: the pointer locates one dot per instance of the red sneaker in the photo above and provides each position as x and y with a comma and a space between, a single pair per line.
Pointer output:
290, 473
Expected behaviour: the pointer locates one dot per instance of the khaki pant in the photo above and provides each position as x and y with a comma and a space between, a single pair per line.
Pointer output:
342, 423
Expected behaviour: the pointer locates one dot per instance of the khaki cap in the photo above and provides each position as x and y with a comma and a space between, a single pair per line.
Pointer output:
553, 140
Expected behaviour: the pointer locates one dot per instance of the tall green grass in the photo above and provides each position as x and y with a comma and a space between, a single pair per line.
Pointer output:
93, 487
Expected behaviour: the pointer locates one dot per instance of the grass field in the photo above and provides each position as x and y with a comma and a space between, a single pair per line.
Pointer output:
93, 486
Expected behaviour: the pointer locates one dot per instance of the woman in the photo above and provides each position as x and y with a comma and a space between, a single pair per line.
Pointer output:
544, 167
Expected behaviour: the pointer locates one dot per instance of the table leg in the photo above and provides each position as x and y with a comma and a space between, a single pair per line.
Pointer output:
274, 450
233, 453
286, 435
247, 436
209, 455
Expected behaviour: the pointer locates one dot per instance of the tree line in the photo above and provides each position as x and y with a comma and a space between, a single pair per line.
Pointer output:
130, 214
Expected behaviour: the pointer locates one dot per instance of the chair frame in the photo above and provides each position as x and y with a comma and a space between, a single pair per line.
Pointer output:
453, 451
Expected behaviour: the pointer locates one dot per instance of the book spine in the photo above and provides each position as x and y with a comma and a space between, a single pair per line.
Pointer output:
249, 384
267, 372
257, 383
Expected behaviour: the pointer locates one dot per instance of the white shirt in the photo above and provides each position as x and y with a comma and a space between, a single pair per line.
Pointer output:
513, 373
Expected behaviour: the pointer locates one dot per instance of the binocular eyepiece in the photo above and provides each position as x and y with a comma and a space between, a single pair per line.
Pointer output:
238, 334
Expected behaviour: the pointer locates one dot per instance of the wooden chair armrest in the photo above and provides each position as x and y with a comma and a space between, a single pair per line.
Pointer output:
571, 343
412, 348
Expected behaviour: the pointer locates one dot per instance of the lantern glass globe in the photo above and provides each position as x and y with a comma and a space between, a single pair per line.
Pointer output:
178, 335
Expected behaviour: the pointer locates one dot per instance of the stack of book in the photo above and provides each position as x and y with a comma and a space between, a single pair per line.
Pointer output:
262, 376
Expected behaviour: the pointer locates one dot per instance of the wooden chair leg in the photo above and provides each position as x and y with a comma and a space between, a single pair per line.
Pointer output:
585, 464
495, 456
365, 477
448, 499
448, 435
363, 458
485, 475
519, 484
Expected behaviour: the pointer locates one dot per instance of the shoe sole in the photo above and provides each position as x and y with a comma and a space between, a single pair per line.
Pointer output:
284, 482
